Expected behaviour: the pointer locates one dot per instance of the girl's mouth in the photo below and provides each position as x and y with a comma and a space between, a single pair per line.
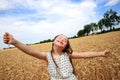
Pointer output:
61, 43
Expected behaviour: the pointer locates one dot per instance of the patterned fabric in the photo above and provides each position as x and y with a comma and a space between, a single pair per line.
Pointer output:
65, 68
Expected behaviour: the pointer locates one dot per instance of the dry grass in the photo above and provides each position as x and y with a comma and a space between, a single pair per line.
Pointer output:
15, 65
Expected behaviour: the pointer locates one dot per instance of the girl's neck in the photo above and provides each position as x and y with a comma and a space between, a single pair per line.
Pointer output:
57, 51
56, 54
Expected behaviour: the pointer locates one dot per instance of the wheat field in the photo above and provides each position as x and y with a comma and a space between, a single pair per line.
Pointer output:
15, 65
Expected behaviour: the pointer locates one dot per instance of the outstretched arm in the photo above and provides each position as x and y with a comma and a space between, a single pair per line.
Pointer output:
90, 54
8, 39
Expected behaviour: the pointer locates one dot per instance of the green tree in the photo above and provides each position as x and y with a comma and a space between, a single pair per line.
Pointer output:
80, 33
107, 20
115, 20
87, 29
111, 19
94, 27
101, 24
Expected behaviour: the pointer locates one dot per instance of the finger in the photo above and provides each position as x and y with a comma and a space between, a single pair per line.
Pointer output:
6, 38
6, 41
6, 34
107, 54
107, 51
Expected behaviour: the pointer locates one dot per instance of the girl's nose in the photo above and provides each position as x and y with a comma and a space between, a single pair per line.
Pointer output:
62, 39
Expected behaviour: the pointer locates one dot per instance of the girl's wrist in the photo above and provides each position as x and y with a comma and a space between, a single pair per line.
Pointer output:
101, 53
14, 42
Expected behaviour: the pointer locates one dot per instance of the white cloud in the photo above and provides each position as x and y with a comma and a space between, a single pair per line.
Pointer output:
4, 4
112, 2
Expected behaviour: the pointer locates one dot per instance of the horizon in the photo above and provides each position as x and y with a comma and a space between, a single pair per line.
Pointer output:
11, 46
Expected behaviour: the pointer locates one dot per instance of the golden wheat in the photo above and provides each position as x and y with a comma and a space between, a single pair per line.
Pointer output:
15, 65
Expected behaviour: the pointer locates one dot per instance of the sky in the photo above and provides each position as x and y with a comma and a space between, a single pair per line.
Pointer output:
31, 21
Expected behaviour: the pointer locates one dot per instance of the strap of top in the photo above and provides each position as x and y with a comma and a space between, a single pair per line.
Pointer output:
54, 61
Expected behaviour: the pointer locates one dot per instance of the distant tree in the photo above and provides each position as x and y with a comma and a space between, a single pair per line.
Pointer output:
101, 24
74, 36
94, 27
111, 19
44, 41
87, 29
115, 19
80, 33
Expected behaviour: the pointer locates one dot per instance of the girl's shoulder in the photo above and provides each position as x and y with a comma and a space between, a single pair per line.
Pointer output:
48, 54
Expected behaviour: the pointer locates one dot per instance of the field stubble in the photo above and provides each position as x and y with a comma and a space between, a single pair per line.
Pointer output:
15, 65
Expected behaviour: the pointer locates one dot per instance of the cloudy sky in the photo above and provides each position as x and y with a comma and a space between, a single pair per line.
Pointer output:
31, 21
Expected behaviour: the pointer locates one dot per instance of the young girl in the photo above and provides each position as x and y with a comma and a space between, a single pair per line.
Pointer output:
58, 59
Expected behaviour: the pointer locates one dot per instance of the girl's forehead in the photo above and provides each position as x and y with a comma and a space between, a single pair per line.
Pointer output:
63, 36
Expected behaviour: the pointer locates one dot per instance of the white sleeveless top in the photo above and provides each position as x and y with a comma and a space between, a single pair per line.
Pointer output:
65, 68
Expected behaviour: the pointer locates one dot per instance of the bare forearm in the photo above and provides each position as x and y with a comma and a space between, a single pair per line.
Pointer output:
86, 54
92, 54
23, 47
26, 49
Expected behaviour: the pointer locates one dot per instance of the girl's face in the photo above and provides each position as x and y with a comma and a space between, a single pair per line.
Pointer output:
61, 41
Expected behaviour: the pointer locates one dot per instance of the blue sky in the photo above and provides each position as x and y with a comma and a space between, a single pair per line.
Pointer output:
31, 21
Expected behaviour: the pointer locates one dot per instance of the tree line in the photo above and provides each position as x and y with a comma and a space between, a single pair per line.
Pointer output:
107, 23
